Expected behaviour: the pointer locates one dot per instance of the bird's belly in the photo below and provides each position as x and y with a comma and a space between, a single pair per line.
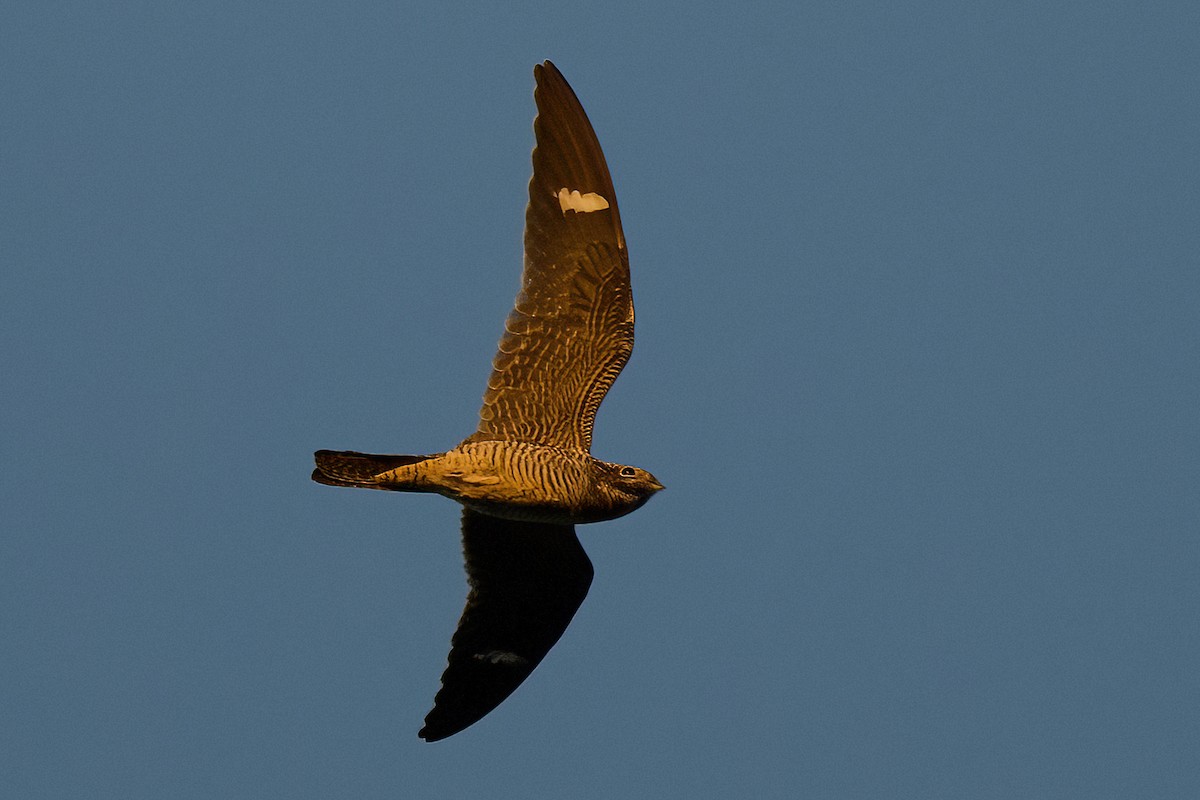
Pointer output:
516, 481
553, 514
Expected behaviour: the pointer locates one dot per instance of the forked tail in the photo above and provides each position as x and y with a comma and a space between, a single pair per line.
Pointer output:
348, 468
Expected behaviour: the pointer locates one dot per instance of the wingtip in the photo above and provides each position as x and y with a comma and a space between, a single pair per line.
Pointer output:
430, 734
547, 68
442, 722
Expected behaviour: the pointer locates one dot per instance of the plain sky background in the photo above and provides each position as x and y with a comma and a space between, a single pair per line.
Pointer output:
918, 359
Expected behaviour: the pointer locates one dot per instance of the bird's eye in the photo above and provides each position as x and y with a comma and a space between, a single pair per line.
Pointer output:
628, 472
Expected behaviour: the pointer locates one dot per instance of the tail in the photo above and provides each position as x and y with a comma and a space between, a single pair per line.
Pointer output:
348, 468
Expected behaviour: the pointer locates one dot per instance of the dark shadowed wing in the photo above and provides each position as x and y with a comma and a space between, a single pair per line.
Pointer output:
571, 330
527, 581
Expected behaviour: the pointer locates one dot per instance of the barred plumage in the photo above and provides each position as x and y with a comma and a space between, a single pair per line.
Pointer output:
526, 477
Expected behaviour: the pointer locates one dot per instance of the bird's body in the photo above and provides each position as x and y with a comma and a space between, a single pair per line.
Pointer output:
513, 480
527, 476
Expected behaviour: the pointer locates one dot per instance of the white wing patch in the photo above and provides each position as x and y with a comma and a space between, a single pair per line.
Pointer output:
573, 200
500, 657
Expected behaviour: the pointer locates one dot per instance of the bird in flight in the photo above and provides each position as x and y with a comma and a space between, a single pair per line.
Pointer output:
526, 477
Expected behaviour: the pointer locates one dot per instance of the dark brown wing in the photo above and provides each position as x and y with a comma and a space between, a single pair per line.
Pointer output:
527, 581
571, 330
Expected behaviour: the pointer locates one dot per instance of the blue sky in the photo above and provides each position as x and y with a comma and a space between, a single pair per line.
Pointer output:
918, 360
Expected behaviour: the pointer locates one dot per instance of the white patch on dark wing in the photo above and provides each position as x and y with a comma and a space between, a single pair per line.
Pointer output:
573, 200
501, 657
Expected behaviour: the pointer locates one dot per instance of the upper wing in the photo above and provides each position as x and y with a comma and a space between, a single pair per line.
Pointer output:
571, 330
527, 581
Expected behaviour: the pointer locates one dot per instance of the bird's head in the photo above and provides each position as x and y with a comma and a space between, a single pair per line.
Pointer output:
627, 488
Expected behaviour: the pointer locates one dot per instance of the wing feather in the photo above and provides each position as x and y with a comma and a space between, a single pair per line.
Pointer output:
571, 329
527, 581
